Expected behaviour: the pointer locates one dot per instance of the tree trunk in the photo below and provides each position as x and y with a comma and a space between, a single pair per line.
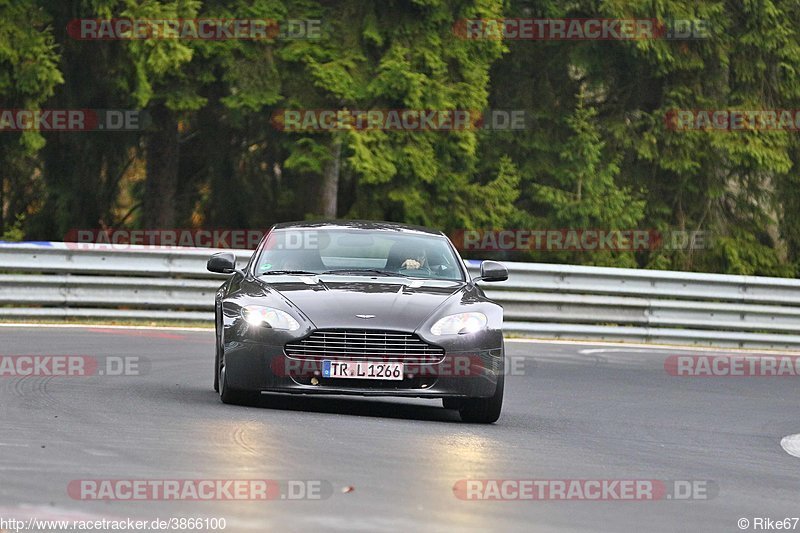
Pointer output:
162, 169
330, 180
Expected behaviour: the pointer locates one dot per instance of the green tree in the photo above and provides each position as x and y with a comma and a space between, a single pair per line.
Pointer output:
29, 74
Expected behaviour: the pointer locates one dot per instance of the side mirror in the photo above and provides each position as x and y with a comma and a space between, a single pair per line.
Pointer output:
493, 271
222, 263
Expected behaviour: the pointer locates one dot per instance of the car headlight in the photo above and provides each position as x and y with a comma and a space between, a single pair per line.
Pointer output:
459, 323
257, 315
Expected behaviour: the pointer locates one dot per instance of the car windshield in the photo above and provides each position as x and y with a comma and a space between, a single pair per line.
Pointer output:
358, 251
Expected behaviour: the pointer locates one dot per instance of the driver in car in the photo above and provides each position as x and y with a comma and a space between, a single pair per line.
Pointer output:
415, 262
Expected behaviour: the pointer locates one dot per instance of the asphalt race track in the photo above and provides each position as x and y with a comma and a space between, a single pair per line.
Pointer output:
572, 412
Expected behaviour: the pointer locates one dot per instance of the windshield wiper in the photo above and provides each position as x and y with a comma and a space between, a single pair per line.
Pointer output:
366, 271
290, 272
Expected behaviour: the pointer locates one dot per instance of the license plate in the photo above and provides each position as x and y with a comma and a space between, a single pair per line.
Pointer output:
361, 370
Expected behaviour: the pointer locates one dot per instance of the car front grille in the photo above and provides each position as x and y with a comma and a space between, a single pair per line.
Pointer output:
365, 345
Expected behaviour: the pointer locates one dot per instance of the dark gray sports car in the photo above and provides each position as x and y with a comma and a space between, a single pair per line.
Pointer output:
356, 307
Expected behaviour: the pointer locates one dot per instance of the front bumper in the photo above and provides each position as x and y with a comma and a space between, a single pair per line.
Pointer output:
263, 366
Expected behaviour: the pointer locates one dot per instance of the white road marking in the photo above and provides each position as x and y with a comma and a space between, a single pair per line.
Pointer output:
100, 453
612, 350
791, 444
620, 350
623, 345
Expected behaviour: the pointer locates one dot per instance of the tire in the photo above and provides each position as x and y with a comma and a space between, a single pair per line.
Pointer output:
216, 367
217, 350
484, 410
233, 396
451, 403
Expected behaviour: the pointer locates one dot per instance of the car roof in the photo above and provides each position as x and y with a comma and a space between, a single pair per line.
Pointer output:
374, 225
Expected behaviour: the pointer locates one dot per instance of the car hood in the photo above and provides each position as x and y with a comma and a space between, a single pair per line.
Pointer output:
334, 301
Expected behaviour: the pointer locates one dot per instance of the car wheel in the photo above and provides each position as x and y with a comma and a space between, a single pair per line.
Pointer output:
451, 403
233, 396
216, 366
217, 349
484, 410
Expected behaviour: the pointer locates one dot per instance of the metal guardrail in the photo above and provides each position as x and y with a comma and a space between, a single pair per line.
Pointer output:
56, 281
